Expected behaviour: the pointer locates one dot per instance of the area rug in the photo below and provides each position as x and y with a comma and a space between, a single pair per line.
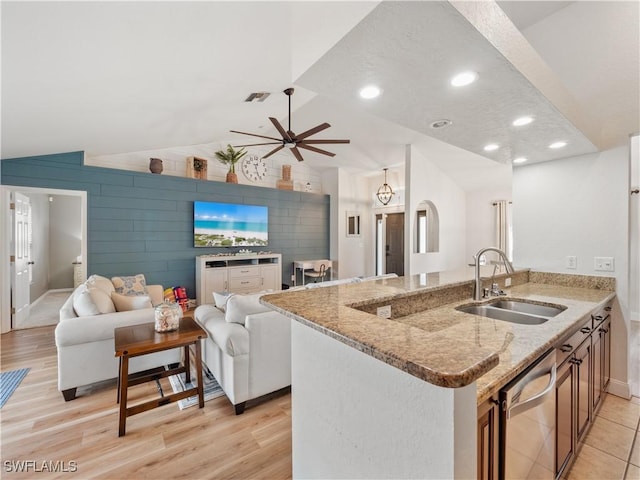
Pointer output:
9, 381
211, 387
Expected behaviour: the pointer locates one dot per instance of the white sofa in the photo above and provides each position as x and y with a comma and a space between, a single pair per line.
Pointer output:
86, 352
248, 349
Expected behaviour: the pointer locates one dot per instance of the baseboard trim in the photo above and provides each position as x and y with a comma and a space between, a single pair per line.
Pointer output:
619, 389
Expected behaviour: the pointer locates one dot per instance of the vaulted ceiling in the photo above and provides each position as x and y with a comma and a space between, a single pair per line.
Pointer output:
113, 77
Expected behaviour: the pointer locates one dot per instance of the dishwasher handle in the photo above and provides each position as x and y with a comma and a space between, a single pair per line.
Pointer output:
535, 400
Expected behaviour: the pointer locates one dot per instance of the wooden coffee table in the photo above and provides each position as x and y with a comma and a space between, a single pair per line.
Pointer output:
142, 339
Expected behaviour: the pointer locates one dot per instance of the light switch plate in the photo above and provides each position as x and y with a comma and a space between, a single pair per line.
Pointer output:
603, 264
572, 262
384, 312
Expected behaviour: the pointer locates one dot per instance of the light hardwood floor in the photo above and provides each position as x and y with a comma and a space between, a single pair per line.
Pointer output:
212, 443
37, 424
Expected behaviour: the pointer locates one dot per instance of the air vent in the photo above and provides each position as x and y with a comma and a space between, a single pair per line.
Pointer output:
257, 97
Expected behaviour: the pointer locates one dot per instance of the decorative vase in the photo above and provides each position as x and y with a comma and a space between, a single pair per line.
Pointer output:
155, 165
167, 316
285, 183
232, 177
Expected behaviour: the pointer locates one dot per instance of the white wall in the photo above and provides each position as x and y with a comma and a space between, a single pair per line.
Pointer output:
40, 254
425, 181
481, 220
354, 416
578, 206
65, 232
634, 232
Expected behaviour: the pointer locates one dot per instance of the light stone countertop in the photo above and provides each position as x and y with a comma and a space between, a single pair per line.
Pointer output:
429, 339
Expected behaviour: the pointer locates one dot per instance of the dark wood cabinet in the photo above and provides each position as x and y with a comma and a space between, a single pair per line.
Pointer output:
488, 418
582, 362
601, 358
565, 399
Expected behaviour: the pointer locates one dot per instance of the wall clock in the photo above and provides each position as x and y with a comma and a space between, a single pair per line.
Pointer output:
254, 167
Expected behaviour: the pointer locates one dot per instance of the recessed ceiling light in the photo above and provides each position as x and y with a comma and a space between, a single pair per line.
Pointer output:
491, 147
518, 122
370, 91
441, 123
558, 145
519, 160
464, 78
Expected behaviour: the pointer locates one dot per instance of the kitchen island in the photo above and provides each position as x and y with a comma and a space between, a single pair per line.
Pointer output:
397, 397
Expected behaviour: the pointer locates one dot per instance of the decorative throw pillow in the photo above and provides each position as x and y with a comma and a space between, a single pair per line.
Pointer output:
102, 300
124, 303
83, 303
239, 306
220, 299
132, 285
103, 283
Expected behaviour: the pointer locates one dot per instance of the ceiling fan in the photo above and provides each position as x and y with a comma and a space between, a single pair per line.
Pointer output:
291, 140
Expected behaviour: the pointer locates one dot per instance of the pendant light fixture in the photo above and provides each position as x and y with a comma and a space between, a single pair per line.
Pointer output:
385, 192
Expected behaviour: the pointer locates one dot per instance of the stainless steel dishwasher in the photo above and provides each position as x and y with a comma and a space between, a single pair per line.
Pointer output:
527, 422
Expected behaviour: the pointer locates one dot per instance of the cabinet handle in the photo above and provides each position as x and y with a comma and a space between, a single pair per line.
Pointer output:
599, 318
585, 330
604, 330
566, 348
607, 309
576, 361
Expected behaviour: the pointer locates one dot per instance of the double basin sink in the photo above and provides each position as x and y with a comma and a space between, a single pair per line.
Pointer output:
514, 311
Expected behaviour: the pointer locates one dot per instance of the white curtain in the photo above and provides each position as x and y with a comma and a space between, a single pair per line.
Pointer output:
504, 226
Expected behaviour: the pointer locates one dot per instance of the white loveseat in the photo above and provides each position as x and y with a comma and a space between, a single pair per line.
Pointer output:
86, 352
248, 349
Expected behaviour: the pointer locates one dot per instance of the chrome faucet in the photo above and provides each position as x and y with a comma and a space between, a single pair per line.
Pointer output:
478, 282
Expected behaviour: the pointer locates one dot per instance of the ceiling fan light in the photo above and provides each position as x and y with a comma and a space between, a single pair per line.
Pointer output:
370, 91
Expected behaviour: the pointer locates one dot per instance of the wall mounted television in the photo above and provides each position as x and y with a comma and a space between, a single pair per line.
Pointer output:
230, 225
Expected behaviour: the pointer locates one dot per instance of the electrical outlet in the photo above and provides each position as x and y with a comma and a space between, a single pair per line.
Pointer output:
507, 282
293, 278
572, 262
603, 264
384, 312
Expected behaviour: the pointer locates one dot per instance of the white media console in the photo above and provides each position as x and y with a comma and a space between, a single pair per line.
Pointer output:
237, 273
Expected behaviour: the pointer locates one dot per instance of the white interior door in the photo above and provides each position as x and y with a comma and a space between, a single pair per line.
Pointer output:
20, 281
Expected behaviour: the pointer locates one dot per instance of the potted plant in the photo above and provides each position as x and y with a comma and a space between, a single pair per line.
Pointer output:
230, 157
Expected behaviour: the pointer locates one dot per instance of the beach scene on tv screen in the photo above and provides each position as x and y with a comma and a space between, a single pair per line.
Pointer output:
229, 225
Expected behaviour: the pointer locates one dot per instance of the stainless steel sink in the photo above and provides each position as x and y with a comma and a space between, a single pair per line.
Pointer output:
504, 315
530, 308
514, 311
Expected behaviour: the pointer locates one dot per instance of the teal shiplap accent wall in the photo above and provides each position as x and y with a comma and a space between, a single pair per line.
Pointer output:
143, 223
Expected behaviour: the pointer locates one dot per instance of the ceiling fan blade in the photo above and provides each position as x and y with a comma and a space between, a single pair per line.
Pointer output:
282, 131
319, 128
318, 142
256, 144
273, 151
314, 149
296, 153
255, 135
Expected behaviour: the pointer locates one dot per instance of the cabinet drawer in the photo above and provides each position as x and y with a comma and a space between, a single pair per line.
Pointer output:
568, 345
244, 282
241, 272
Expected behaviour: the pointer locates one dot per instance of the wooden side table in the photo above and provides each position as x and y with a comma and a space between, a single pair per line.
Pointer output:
142, 339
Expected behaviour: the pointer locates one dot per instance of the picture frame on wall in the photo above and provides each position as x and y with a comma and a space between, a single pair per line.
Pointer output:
197, 168
353, 224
